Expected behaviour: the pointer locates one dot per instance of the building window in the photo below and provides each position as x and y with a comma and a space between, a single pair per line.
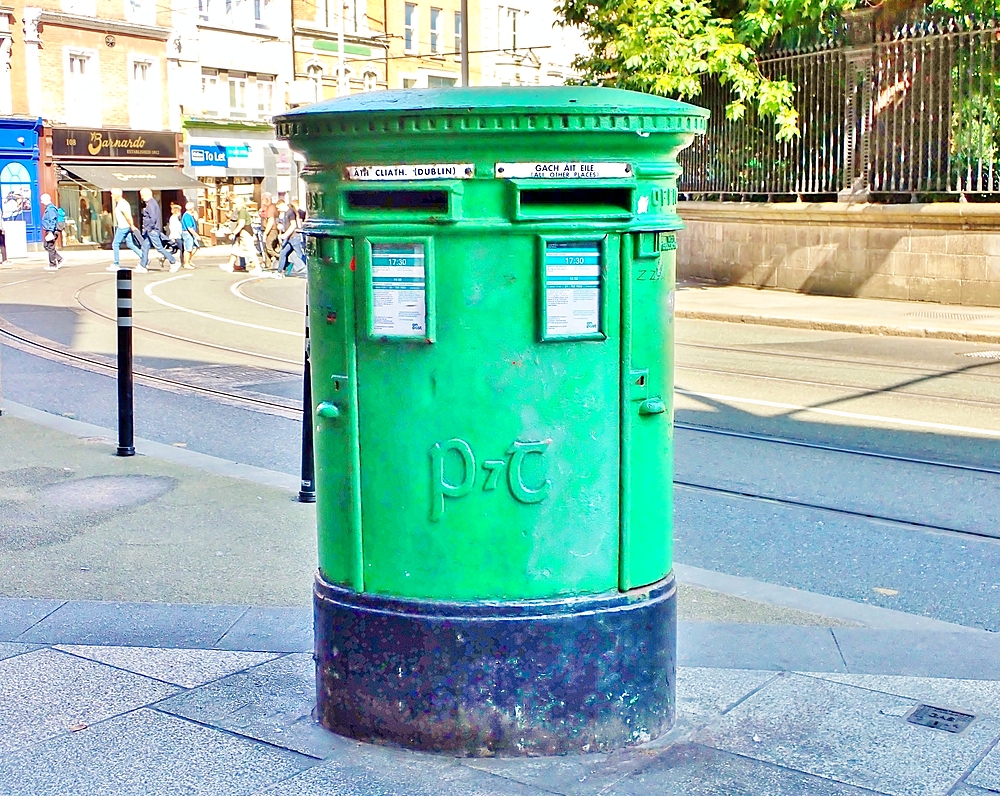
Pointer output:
315, 73
82, 89
508, 28
436, 30
457, 47
237, 94
261, 13
265, 96
144, 96
15, 192
410, 28
370, 80
409, 82
210, 92
436, 81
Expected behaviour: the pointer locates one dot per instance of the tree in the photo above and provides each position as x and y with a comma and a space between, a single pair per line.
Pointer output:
667, 46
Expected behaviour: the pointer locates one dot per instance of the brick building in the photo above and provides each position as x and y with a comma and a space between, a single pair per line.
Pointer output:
94, 73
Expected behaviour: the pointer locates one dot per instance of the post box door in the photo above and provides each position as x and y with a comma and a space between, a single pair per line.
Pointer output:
489, 415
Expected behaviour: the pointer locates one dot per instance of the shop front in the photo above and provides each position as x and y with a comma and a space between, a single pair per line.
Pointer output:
232, 164
19, 193
88, 164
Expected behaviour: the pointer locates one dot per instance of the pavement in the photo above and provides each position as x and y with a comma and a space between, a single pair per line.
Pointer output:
155, 638
708, 301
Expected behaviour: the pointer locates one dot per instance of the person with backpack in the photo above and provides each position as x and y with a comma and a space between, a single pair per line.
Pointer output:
53, 223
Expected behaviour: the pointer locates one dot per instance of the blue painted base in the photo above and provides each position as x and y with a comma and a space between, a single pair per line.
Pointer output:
585, 674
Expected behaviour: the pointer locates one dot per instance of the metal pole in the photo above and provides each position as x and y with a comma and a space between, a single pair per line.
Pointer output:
307, 492
126, 443
465, 42
340, 52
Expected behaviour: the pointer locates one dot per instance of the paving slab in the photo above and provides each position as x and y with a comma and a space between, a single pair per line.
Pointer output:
272, 702
186, 668
19, 614
9, 649
134, 624
146, 753
966, 656
706, 693
850, 735
775, 647
981, 697
44, 693
271, 630
689, 769
573, 775
987, 773
365, 770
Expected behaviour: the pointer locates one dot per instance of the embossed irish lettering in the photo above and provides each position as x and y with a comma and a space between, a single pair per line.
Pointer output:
440, 486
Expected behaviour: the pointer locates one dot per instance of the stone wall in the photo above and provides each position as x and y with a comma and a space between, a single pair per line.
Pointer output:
948, 253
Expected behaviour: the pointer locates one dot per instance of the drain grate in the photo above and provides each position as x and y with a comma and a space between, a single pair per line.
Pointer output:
947, 316
983, 354
940, 718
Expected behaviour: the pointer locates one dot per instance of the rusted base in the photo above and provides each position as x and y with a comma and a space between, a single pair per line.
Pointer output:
532, 678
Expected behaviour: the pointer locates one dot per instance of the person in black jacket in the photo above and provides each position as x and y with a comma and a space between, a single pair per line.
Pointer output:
152, 232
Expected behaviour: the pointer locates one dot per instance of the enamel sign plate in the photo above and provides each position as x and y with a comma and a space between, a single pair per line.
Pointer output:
411, 171
564, 171
399, 290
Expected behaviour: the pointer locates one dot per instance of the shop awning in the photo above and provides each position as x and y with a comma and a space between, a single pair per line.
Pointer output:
132, 178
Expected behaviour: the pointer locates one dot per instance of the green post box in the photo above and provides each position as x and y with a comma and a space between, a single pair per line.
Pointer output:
491, 288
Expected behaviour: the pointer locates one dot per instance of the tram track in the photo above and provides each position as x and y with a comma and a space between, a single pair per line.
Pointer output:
26, 341
725, 432
894, 389
159, 332
801, 504
830, 360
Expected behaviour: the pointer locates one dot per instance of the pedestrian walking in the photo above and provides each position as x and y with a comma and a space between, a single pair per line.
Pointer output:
190, 239
174, 229
50, 231
152, 233
269, 230
3, 244
125, 231
243, 244
292, 241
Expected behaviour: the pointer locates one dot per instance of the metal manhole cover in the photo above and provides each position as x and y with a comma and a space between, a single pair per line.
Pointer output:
940, 718
947, 316
983, 354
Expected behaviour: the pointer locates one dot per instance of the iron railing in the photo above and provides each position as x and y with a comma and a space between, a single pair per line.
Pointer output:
912, 115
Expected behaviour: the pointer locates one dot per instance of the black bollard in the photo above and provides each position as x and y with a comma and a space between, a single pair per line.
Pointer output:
126, 443
307, 494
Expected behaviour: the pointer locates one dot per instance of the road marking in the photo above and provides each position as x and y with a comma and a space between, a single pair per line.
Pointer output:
149, 292
983, 432
235, 289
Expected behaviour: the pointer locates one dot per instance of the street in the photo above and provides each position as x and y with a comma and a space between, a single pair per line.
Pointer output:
847, 465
